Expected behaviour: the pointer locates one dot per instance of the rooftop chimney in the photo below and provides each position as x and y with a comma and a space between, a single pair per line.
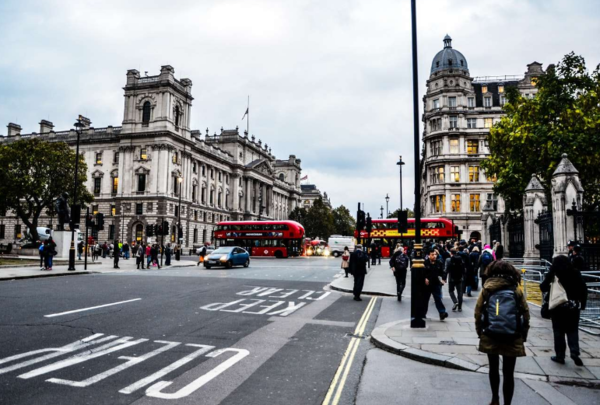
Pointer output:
14, 129
46, 127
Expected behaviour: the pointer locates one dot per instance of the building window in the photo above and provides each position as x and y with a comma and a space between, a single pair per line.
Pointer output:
471, 123
194, 168
454, 146
195, 215
111, 232
204, 217
146, 113
212, 197
453, 121
473, 174
177, 211
472, 147
116, 158
141, 183
113, 210
500, 89
203, 195
455, 174
452, 102
502, 100
436, 104
471, 102
220, 199
17, 232
492, 201
99, 158
143, 154
436, 148
439, 203
177, 115
94, 209
484, 89
2, 230
139, 209
487, 102
455, 203
203, 170
474, 202
174, 157
195, 235
438, 174
115, 185
488, 122
212, 173
492, 178
97, 185
194, 191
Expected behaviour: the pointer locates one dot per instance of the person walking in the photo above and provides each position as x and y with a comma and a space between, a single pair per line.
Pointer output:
139, 256
472, 277
498, 251
148, 255
486, 258
41, 253
79, 249
49, 252
565, 318
168, 252
125, 248
502, 324
155, 252
577, 259
455, 273
202, 254
399, 264
346, 260
116, 255
358, 267
434, 280
373, 254
379, 253
105, 250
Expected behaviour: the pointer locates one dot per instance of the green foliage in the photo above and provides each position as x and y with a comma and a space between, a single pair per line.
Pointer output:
298, 214
33, 174
564, 117
317, 220
394, 214
343, 221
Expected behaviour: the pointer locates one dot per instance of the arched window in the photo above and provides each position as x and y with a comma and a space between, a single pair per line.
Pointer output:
281, 177
146, 113
177, 115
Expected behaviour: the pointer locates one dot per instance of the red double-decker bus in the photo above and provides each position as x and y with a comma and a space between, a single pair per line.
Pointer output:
385, 232
262, 238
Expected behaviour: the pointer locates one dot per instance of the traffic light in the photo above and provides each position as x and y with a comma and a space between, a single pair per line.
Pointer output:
100, 221
160, 230
89, 220
149, 230
165, 227
402, 221
369, 224
76, 215
360, 220
180, 232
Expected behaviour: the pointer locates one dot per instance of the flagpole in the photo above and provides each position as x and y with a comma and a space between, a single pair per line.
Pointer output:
248, 118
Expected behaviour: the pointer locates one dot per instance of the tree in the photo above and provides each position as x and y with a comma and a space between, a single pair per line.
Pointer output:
298, 214
563, 117
319, 220
33, 174
343, 222
394, 214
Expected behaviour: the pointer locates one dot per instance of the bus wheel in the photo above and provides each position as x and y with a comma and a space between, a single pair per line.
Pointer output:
278, 254
229, 264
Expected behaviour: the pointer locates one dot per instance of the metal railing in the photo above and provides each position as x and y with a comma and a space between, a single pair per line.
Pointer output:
589, 319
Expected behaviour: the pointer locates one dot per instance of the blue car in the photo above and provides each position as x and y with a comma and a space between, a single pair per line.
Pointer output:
228, 256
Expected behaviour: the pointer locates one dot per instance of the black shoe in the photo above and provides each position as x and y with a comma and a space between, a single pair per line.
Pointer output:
443, 316
454, 307
357, 299
400, 297
469, 295
577, 361
459, 309
346, 277
557, 360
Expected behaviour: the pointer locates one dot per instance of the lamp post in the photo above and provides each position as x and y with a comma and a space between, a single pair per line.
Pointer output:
400, 163
179, 230
78, 125
387, 207
417, 284
382, 212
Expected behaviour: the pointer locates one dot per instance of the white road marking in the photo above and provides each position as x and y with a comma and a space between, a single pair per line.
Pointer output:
155, 390
163, 372
90, 308
290, 309
132, 361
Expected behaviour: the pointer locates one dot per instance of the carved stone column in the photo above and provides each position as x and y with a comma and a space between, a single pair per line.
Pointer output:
534, 202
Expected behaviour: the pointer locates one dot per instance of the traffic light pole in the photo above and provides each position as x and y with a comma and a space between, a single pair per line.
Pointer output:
87, 215
162, 240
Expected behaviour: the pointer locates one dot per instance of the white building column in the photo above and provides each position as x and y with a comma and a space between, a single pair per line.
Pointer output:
534, 202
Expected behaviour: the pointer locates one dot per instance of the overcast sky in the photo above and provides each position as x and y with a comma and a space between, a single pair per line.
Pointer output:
329, 81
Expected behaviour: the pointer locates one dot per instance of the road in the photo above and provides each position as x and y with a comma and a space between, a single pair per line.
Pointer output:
268, 334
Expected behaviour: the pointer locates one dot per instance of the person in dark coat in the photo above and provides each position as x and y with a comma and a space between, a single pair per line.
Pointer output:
577, 259
399, 263
116, 255
472, 272
373, 254
501, 275
565, 318
154, 252
139, 256
434, 280
168, 252
454, 272
358, 266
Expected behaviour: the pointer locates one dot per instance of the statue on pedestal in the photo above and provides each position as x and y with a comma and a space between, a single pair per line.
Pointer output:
63, 211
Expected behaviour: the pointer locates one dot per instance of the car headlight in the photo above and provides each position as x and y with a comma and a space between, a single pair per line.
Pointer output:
326, 253
223, 258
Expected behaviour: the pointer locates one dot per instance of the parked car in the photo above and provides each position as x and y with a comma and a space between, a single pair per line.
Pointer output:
228, 256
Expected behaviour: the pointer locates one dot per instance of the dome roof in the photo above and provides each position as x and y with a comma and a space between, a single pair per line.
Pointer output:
449, 58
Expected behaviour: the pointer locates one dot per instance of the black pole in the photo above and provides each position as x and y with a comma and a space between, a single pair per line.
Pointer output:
87, 214
162, 240
178, 254
417, 278
78, 125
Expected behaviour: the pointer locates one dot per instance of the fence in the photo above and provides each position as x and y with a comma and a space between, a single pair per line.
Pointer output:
590, 317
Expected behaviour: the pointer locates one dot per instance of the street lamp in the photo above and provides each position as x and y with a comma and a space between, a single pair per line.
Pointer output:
178, 253
400, 163
387, 207
78, 125
382, 212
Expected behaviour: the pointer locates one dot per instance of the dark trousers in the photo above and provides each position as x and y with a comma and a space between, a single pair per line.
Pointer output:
436, 291
373, 260
560, 331
458, 286
116, 262
140, 261
168, 259
41, 260
400, 276
359, 281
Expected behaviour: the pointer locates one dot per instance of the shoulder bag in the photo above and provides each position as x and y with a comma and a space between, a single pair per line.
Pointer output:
558, 295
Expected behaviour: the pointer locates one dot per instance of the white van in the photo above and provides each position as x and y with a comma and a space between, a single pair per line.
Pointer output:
338, 242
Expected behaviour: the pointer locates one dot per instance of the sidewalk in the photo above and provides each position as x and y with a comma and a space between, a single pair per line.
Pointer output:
97, 267
453, 343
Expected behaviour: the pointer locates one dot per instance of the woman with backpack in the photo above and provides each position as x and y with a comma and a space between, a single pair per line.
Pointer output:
500, 300
399, 263
472, 277
565, 318
346, 260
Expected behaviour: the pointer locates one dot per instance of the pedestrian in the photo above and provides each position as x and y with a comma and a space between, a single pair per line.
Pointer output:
498, 251
41, 253
139, 257
168, 252
570, 246
455, 272
346, 260
379, 253
148, 255
472, 278
577, 259
119, 246
79, 249
486, 258
399, 264
358, 267
502, 324
125, 248
96, 251
49, 252
373, 254
202, 254
434, 280
116, 255
565, 318
105, 249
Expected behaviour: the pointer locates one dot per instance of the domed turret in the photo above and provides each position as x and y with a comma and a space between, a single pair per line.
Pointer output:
449, 58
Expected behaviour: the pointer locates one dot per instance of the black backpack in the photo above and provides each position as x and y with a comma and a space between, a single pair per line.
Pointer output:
456, 269
502, 316
400, 262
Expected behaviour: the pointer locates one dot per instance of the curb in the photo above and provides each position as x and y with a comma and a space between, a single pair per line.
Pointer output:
382, 341
375, 293
49, 275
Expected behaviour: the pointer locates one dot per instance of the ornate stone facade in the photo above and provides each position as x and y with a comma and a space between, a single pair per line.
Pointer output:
142, 172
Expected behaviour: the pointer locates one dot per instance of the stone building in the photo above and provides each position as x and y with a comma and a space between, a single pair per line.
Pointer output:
310, 193
459, 111
155, 166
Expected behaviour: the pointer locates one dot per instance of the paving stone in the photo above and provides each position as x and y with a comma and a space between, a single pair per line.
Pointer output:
428, 340
568, 370
416, 333
528, 365
463, 365
594, 370
467, 341
449, 334
458, 327
438, 327
480, 359
450, 350
403, 340
391, 332
543, 351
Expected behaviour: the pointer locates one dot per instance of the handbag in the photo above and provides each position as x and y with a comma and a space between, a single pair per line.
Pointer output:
544, 310
558, 295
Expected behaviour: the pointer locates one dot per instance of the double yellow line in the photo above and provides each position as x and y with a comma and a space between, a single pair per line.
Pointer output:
348, 358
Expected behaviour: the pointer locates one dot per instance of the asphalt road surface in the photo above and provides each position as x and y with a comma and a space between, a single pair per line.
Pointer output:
268, 334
